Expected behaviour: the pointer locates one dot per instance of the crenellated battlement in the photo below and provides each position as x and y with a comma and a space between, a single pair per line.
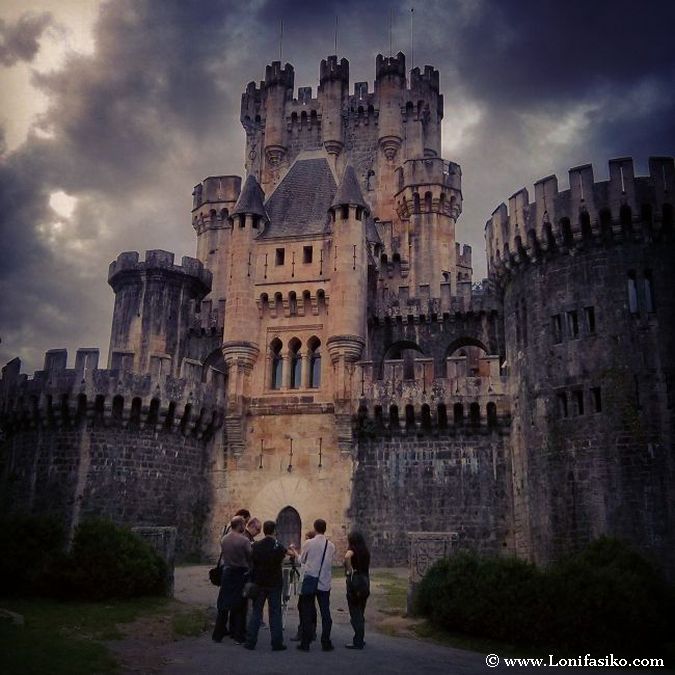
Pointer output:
624, 208
414, 306
58, 396
216, 190
390, 65
157, 260
422, 399
276, 75
429, 185
427, 80
331, 70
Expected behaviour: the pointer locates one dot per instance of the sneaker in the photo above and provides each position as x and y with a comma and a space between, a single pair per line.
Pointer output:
279, 648
327, 647
353, 646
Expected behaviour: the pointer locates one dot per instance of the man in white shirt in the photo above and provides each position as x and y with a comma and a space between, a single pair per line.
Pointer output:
317, 559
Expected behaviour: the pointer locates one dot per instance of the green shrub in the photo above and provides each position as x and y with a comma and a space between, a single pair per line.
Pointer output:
607, 597
29, 545
109, 561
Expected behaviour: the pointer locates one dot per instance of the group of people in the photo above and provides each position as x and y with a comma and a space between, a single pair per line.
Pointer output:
252, 571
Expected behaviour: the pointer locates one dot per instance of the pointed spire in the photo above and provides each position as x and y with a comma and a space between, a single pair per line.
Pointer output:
349, 191
251, 199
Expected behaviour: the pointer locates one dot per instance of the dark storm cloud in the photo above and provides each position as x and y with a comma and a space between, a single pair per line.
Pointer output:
531, 88
19, 41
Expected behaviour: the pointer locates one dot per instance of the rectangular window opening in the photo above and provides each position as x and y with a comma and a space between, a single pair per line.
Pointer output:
589, 314
632, 294
562, 404
597, 399
578, 401
280, 256
573, 324
307, 254
649, 292
556, 322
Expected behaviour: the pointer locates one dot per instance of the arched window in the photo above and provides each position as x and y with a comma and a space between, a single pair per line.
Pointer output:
426, 417
409, 416
458, 414
626, 219
292, 303
393, 417
474, 414
491, 414
276, 364
442, 416
585, 222
605, 217
295, 363
427, 201
314, 345
566, 229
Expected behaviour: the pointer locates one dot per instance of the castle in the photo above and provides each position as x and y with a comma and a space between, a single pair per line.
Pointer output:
328, 354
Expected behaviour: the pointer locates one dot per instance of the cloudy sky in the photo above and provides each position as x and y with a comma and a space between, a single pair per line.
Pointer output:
111, 111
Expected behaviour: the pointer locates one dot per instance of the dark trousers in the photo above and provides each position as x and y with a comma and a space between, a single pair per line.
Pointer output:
273, 598
357, 609
231, 605
313, 615
306, 610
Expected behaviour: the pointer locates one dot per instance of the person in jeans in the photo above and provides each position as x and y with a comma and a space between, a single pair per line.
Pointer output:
317, 559
357, 567
236, 556
266, 557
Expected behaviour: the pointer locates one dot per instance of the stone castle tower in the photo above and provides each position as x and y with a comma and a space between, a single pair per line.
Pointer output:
327, 353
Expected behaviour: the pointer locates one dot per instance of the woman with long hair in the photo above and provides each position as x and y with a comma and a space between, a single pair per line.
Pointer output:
357, 567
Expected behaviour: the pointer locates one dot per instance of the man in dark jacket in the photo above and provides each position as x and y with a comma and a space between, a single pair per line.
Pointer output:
267, 556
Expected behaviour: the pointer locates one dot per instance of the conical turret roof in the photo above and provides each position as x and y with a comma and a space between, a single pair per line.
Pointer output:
251, 199
349, 190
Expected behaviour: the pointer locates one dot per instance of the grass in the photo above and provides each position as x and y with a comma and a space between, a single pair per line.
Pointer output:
66, 637
395, 593
190, 623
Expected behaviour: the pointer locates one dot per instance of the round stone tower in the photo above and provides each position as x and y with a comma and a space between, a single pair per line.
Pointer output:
154, 304
585, 275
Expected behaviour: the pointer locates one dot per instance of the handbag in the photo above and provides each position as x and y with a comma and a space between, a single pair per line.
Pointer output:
310, 584
216, 573
358, 585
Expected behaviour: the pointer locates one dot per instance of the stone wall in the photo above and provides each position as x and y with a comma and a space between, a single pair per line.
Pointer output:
134, 477
459, 483
591, 367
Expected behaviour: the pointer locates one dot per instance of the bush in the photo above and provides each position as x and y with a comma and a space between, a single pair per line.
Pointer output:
105, 561
607, 597
29, 544
108, 561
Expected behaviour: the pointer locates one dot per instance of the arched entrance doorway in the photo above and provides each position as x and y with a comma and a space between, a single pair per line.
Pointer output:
289, 527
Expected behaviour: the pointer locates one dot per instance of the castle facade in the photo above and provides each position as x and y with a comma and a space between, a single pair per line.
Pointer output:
327, 352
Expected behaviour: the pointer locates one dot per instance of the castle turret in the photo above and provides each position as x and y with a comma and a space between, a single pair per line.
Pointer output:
424, 113
333, 93
240, 348
212, 202
430, 200
349, 277
389, 91
278, 89
154, 303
